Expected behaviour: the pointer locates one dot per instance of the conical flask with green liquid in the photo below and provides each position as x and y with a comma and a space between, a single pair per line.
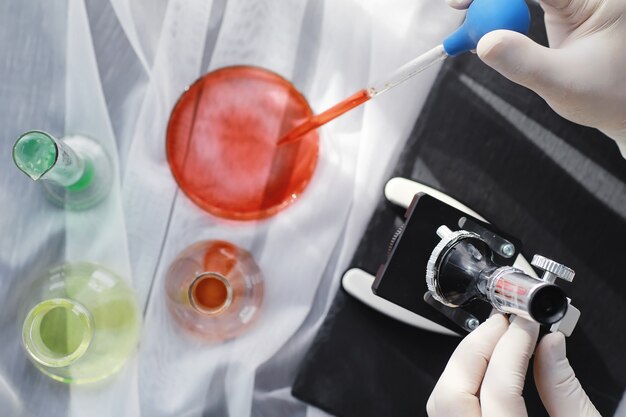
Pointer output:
80, 323
75, 170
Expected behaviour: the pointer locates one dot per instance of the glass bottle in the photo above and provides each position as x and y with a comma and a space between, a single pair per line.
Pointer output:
214, 290
80, 323
76, 171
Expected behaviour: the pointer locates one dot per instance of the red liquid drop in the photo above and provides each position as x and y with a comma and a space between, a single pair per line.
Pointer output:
316, 121
222, 143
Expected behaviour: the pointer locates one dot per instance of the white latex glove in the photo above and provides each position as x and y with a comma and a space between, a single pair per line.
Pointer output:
582, 76
485, 375
557, 385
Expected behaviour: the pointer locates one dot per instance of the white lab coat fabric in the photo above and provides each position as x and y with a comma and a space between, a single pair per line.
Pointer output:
113, 70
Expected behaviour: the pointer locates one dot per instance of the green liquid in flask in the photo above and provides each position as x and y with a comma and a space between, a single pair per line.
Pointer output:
35, 153
83, 324
75, 170
62, 331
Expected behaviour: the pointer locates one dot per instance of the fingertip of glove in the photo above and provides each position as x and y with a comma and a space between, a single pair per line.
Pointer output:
489, 45
552, 346
498, 319
495, 326
525, 324
500, 44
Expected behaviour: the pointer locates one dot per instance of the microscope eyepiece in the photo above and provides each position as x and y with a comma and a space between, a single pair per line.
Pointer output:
548, 305
462, 268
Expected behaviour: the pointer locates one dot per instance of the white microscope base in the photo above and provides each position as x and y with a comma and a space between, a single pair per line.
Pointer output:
358, 283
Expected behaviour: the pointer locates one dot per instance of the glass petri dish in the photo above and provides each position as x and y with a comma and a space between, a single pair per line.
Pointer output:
222, 143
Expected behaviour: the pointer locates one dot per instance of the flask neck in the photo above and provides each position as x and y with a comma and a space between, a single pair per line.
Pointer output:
41, 156
57, 332
210, 293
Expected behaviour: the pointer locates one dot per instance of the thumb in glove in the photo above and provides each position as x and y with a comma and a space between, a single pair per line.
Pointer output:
579, 83
560, 391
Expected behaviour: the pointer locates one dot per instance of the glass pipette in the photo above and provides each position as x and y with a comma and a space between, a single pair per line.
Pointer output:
483, 16
400, 75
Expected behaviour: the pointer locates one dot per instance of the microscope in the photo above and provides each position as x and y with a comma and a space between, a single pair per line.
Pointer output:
447, 269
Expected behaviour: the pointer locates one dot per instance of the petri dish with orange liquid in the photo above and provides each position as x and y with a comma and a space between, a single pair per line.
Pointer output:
222, 143
214, 290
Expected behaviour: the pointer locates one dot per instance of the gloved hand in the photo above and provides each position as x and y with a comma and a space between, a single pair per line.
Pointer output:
582, 76
560, 391
485, 375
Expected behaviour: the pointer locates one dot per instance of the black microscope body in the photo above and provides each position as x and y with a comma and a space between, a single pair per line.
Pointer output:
454, 269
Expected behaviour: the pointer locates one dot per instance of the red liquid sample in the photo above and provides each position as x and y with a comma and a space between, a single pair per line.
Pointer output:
214, 290
222, 142
221, 257
209, 293
316, 121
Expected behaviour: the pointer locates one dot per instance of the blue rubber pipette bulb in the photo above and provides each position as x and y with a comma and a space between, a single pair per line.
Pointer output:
484, 16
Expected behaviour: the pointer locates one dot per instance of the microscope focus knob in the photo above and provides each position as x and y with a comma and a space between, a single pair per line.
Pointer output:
552, 270
394, 239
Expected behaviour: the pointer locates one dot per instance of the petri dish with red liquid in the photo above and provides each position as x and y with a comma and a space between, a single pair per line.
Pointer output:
222, 143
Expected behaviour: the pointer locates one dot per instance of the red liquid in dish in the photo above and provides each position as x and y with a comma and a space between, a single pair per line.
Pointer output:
222, 142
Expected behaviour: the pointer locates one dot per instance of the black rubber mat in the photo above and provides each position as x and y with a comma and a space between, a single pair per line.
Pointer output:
557, 186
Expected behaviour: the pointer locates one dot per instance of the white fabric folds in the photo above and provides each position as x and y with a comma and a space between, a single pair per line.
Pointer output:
113, 70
